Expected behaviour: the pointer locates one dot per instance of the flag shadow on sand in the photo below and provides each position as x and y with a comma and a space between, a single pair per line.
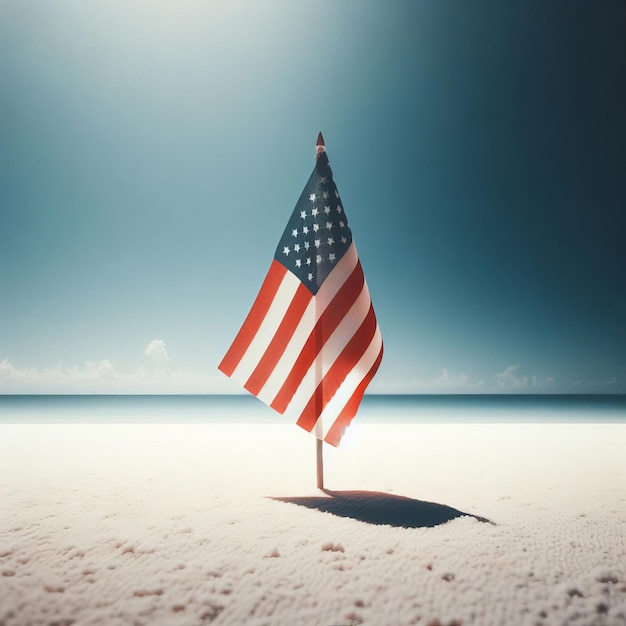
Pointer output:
375, 507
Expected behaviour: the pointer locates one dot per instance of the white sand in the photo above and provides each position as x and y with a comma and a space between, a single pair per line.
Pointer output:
172, 525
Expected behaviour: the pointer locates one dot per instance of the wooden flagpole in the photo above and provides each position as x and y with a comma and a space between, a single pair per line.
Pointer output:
319, 430
320, 461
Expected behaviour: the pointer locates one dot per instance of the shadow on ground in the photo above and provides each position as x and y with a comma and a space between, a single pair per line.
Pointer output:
375, 507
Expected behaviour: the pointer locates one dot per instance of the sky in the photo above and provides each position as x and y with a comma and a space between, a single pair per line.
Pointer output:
151, 154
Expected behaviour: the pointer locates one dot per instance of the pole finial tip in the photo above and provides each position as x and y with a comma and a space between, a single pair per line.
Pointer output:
320, 146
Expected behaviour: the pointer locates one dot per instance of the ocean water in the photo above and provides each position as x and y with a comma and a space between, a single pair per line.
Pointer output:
374, 409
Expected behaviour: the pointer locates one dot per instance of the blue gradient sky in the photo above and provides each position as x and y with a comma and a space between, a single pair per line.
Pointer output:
151, 154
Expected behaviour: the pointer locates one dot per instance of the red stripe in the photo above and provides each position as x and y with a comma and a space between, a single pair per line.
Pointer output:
343, 420
254, 319
337, 373
325, 326
279, 341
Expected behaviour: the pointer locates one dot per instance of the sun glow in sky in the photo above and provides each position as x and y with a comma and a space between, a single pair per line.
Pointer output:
151, 154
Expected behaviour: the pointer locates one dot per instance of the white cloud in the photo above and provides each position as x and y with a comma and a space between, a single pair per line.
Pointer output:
450, 381
447, 382
102, 377
509, 380
157, 351
454, 380
590, 385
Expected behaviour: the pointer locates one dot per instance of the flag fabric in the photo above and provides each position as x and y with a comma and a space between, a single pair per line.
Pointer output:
310, 345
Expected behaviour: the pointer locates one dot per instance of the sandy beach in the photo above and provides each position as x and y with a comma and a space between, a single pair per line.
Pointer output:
197, 524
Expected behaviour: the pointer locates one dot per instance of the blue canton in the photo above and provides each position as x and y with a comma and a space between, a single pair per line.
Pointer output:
317, 234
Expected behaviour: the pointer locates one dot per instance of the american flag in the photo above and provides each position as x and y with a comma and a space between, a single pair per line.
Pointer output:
310, 345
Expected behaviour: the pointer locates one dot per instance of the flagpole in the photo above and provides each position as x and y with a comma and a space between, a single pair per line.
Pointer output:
319, 430
320, 461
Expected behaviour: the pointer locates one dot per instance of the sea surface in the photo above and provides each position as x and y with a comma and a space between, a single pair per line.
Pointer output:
374, 409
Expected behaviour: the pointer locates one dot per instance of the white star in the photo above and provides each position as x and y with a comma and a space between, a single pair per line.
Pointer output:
341, 224
331, 257
303, 214
343, 240
294, 232
318, 243
325, 195
316, 227
336, 194
327, 210
312, 197
310, 276
305, 230
298, 262
306, 245
339, 209
329, 225
296, 247
308, 260
314, 212
323, 180
318, 259
286, 250
331, 241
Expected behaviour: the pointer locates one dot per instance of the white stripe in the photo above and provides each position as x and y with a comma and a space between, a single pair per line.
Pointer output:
267, 329
312, 313
331, 350
353, 380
